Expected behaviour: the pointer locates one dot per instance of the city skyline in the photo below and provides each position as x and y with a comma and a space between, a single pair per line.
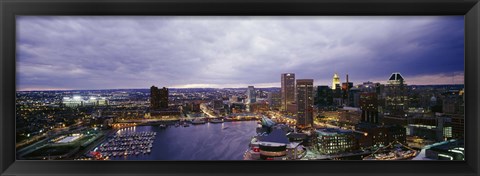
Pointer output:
70, 53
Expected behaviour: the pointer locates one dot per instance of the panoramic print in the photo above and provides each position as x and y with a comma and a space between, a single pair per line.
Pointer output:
240, 88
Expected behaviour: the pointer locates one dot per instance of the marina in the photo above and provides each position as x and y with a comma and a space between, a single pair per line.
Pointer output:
123, 144
209, 141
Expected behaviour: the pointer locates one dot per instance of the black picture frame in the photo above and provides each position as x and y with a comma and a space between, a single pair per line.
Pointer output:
11, 8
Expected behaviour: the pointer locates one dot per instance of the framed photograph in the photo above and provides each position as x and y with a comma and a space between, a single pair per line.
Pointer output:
239, 87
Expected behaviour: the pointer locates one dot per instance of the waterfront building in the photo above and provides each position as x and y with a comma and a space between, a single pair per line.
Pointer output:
335, 140
154, 98
274, 145
158, 98
305, 102
447, 150
164, 98
251, 95
288, 92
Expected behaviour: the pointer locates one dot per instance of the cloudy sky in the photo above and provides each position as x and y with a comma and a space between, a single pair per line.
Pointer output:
138, 52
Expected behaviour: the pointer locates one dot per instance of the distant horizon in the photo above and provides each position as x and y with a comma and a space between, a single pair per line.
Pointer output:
35, 90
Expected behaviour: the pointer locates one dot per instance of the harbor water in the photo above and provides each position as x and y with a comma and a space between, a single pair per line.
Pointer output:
210, 141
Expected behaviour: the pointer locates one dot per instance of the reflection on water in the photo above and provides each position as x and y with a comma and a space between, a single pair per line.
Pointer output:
225, 141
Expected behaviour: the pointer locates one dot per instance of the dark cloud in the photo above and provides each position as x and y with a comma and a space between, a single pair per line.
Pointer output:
137, 52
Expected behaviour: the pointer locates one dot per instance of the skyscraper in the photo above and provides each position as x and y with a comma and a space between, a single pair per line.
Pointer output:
305, 102
251, 95
323, 97
288, 91
396, 97
158, 98
154, 98
369, 106
164, 98
335, 81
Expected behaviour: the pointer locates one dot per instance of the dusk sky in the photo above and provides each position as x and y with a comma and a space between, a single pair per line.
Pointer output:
138, 52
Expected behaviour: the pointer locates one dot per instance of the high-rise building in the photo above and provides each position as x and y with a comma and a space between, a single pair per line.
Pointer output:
305, 102
335, 81
164, 98
396, 95
369, 107
251, 95
154, 98
323, 97
274, 100
158, 98
288, 91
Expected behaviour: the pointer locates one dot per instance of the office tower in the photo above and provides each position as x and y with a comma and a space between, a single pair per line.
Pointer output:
396, 95
323, 97
274, 100
335, 81
154, 98
251, 95
305, 102
288, 92
164, 98
346, 86
369, 107
158, 98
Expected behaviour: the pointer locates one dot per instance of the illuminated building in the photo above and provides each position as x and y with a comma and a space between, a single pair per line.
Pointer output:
453, 106
273, 146
260, 106
380, 134
337, 91
305, 102
274, 100
447, 150
335, 81
396, 97
288, 92
334, 140
78, 101
369, 107
251, 95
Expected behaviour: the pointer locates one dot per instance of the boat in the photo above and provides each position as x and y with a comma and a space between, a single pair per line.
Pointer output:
163, 126
177, 125
217, 120
225, 128
186, 125
198, 121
